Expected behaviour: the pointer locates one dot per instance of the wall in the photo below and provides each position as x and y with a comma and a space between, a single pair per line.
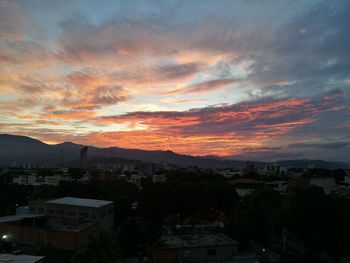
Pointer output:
60, 239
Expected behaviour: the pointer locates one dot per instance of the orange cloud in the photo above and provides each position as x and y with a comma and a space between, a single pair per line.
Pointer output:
70, 115
220, 130
202, 87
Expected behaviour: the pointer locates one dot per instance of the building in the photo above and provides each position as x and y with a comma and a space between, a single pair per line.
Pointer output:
245, 186
137, 179
26, 180
230, 173
278, 186
269, 170
63, 223
326, 183
206, 247
35, 229
249, 169
347, 178
35, 180
159, 178
83, 157
146, 168
55, 179
72, 208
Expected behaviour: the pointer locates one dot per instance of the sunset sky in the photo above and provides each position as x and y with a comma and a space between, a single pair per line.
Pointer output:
260, 80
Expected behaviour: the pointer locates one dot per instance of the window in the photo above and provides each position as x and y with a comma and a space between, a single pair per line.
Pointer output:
103, 214
83, 214
187, 253
93, 216
211, 252
59, 212
49, 211
71, 213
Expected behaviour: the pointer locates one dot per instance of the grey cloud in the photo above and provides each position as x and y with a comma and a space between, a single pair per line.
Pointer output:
329, 145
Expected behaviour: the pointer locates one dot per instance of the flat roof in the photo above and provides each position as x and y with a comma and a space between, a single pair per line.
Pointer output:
195, 240
20, 258
245, 181
80, 202
16, 218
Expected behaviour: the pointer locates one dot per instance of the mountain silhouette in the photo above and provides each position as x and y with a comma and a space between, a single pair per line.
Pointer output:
22, 149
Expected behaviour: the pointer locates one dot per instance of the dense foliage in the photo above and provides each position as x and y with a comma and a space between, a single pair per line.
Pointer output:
305, 216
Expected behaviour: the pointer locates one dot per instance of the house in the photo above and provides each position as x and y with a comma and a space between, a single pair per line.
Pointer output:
204, 247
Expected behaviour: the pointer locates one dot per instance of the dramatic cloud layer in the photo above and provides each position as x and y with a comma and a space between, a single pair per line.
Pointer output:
231, 78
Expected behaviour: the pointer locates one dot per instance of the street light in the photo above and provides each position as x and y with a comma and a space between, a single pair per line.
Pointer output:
4, 237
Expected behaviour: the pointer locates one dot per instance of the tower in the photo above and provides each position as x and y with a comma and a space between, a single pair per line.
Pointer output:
61, 158
83, 157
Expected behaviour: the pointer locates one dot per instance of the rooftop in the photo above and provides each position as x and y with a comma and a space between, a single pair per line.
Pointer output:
246, 181
20, 258
16, 218
195, 240
80, 202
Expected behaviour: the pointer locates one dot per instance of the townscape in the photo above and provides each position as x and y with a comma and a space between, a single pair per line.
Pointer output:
119, 210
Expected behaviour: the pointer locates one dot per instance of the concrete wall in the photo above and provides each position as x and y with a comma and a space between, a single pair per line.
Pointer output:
60, 239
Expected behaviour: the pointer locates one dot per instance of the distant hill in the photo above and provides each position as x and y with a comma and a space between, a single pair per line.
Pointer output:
305, 163
22, 149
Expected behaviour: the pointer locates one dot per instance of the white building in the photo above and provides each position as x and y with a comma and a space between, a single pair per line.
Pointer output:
230, 174
278, 186
245, 186
159, 178
26, 180
47, 180
62, 209
347, 179
52, 180
326, 183
269, 170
